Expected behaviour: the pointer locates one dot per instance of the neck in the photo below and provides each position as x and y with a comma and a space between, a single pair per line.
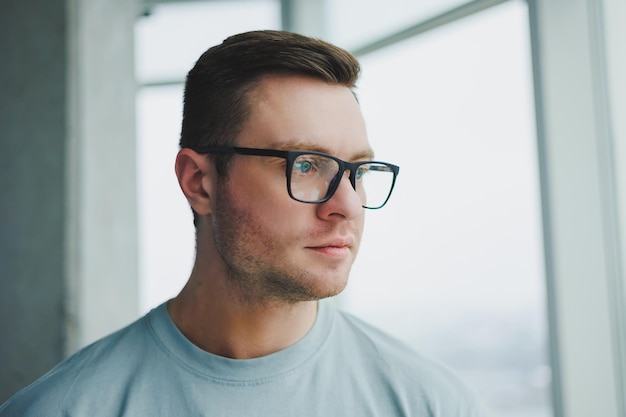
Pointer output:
211, 315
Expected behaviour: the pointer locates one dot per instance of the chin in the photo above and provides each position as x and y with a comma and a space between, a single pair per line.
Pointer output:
331, 287
310, 288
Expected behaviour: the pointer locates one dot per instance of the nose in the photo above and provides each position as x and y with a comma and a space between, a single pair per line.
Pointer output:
344, 203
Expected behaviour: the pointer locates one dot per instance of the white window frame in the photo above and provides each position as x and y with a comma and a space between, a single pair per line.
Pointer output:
577, 56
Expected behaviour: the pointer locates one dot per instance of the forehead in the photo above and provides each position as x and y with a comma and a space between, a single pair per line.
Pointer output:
295, 112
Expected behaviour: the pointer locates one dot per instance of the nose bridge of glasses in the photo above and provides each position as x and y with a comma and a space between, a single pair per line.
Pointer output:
351, 168
348, 168
351, 176
335, 183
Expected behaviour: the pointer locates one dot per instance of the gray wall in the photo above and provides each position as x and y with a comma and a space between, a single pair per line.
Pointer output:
68, 238
32, 188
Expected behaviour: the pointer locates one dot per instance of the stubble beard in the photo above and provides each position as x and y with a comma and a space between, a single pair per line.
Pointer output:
249, 250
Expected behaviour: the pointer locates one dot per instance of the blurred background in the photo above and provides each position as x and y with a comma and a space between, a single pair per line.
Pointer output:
500, 252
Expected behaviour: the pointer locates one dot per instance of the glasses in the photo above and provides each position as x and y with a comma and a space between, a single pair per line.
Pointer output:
313, 177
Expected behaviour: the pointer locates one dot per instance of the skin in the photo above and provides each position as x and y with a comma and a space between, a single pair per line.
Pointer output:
263, 260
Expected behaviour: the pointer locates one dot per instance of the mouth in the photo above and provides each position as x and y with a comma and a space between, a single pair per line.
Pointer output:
334, 249
335, 252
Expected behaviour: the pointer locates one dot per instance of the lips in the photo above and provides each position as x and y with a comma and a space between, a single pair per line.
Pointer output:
338, 243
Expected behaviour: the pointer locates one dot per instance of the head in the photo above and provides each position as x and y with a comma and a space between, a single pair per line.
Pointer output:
280, 91
218, 88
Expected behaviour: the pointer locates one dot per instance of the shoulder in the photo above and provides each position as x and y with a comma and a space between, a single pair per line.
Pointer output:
377, 343
83, 374
409, 374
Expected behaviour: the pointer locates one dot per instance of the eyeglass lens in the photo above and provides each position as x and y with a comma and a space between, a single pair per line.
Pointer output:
312, 177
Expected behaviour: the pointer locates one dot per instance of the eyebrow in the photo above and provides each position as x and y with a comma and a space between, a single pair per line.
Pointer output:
299, 145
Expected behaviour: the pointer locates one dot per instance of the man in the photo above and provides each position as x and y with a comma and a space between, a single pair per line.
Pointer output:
276, 165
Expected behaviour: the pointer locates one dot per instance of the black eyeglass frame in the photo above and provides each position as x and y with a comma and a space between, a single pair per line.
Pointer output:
291, 156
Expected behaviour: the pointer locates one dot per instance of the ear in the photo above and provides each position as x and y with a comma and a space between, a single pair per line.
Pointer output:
196, 177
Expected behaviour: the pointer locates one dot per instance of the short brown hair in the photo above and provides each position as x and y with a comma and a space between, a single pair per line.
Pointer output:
217, 104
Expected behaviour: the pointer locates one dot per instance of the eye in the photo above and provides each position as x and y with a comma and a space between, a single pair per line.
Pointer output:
303, 167
361, 171
312, 166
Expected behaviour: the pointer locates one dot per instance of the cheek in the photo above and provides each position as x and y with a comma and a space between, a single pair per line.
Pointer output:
359, 230
268, 201
258, 183
282, 218
267, 211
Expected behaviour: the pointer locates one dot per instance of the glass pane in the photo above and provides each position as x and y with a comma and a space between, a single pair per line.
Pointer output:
172, 37
354, 23
454, 263
166, 232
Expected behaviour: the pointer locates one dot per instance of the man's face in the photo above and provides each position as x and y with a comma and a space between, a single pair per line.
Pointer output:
276, 248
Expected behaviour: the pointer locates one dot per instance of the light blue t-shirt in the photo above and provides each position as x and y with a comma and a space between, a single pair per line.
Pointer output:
342, 367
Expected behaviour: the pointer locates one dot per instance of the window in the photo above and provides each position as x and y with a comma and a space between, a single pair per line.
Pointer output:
454, 263
353, 23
